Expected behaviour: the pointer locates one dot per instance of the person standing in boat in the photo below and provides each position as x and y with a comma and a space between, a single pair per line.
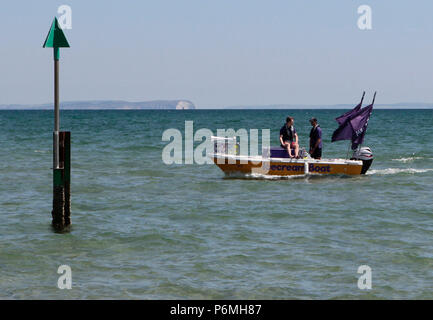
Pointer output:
315, 140
289, 138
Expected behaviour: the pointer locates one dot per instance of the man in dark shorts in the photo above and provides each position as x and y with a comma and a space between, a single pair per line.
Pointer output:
289, 138
315, 140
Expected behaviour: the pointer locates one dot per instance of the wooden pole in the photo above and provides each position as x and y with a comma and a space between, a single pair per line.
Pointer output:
62, 184
67, 176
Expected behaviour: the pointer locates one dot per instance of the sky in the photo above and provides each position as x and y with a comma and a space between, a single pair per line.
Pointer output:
220, 53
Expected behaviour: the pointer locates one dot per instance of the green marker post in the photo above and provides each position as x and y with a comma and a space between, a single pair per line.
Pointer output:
61, 140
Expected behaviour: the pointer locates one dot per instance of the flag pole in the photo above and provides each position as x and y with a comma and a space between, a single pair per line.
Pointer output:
372, 103
348, 147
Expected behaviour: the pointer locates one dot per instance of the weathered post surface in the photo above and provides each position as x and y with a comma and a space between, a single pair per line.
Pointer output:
61, 212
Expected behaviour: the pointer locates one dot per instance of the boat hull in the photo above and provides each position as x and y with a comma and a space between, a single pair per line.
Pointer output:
286, 167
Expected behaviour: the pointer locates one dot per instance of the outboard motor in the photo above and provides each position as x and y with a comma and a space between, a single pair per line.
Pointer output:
365, 155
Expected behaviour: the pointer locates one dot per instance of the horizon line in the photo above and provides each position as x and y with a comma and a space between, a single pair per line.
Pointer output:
273, 106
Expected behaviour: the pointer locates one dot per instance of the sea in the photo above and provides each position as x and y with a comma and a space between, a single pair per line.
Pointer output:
144, 229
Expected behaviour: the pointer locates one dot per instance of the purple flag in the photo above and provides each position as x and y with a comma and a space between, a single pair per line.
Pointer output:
355, 126
359, 125
341, 119
343, 132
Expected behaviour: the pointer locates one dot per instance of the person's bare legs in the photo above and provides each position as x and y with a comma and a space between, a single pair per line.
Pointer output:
289, 151
296, 147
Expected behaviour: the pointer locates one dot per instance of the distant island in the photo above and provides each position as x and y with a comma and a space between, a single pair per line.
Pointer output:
107, 104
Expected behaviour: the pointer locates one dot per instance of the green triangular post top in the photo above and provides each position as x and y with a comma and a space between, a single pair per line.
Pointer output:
56, 38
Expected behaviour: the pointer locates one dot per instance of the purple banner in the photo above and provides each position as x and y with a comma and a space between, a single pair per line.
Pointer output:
341, 119
359, 125
343, 132
354, 125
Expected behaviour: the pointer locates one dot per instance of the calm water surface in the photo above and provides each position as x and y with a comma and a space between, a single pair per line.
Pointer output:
145, 230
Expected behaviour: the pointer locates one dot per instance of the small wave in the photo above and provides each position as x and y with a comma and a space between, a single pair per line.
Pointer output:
398, 170
40, 151
274, 177
259, 176
409, 159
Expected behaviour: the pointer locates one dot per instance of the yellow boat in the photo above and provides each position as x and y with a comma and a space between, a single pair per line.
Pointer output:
232, 163
275, 161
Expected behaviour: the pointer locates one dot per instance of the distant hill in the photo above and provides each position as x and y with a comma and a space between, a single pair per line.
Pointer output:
106, 104
186, 104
